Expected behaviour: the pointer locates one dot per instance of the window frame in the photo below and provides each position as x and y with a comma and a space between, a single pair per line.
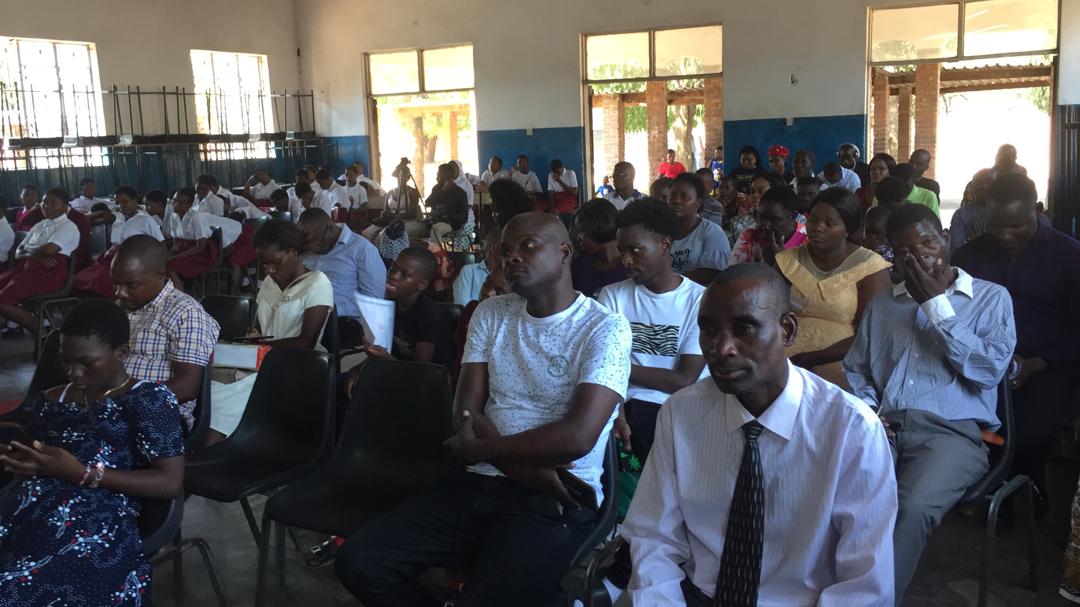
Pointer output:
420, 80
652, 54
961, 28
265, 94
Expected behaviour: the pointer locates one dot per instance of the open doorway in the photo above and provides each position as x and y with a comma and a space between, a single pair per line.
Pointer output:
651, 91
960, 79
423, 108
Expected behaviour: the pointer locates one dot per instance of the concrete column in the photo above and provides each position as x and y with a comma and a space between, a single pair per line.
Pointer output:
881, 111
714, 114
903, 125
927, 94
614, 130
656, 115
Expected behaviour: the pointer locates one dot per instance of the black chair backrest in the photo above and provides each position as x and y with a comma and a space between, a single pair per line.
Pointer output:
196, 438
291, 406
1001, 457
393, 432
255, 222
12, 214
99, 239
49, 372
452, 314
331, 337
460, 259
215, 235
234, 314
605, 520
159, 520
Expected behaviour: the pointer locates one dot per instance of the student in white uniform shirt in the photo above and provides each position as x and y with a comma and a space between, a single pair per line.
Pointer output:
303, 200
207, 199
193, 252
259, 186
330, 194
301, 177
363, 179
354, 189
494, 171
662, 308
7, 239
88, 197
766, 484
524, 177
130, 221
42, 261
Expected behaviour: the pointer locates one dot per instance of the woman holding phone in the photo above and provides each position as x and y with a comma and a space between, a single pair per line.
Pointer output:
69, 529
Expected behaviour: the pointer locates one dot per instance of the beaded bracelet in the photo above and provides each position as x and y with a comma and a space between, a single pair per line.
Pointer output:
99, 473
86, 474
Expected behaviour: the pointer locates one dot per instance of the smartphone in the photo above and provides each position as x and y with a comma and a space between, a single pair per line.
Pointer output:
13, 431
578, 489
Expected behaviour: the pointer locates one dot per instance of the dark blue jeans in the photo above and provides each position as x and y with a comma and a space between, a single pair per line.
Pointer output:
515, 546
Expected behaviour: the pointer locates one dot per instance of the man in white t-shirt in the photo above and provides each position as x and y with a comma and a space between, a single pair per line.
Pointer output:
494, 171
88, 197
524, 177
662, 308
354, 189
543, 371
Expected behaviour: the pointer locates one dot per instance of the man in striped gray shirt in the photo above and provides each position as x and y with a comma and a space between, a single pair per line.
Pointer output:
928, 356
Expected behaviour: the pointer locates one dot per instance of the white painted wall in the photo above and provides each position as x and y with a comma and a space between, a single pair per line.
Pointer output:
148, 42
528, 60
1069, 59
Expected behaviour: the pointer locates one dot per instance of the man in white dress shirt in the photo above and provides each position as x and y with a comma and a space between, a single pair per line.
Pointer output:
779, 488
834, 175
622, 177
330, 193
87, 196
207, 199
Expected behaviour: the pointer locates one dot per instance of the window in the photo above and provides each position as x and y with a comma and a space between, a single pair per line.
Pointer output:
960, 30
232, 96
232, 93
421, 70
688, 51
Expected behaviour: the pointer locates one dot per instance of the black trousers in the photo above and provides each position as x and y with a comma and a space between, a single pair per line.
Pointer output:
641, 417
350, 332
516, 545
1041, 408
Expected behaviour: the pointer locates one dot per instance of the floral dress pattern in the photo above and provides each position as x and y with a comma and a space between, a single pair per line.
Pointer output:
61, 544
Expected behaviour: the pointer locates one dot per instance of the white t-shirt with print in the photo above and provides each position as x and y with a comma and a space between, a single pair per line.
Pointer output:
356, 194
534, 365
706, 246
664, 327
528, 181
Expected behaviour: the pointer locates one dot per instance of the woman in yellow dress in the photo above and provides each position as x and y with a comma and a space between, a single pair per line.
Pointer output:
832, 280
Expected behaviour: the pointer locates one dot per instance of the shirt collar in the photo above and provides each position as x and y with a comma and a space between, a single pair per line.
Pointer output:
963, 284
164, 294
779, 417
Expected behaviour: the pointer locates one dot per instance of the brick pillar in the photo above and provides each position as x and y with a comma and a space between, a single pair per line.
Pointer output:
714, 114
656, 114
881, 111
614, 130
903, 125
927, 93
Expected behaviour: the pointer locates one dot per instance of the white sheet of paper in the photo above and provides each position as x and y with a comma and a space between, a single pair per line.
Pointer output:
377, 316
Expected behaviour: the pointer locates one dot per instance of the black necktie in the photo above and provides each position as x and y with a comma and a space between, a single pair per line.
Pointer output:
740, 564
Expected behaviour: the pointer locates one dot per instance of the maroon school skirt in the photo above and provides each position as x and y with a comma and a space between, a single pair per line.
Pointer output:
28, 278
95, 278
194, 265
242, 252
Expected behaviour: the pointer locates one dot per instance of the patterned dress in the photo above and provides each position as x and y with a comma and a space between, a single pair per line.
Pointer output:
65, 545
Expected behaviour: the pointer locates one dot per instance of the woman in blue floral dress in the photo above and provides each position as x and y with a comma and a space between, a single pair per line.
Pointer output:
69, 532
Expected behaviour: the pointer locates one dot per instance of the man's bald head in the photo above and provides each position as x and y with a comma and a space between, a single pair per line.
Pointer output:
143, 252
316, 226
767, 279
536, 254
138, 271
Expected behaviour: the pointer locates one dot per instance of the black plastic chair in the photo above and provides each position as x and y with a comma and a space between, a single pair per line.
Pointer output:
196, 438
995, 487
49, 371
159, 525
52, 306
390, 449
99, 240
331, 337
235, 314
219, 269
286, 430
460, 259
452, 314
19, 237
12, 214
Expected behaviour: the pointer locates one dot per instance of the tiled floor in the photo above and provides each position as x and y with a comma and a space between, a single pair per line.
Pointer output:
946, 575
